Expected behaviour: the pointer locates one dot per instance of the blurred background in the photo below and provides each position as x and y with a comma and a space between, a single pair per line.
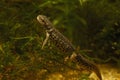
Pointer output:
93, 26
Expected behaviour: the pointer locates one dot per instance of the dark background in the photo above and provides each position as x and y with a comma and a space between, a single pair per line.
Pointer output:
93, 26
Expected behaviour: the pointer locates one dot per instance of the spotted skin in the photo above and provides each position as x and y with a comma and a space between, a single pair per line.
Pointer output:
64, 45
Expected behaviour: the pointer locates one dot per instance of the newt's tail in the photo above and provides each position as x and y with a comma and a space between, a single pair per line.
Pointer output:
87, 64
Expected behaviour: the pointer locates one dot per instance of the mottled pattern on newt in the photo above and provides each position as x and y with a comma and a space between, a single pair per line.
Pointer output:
63, 44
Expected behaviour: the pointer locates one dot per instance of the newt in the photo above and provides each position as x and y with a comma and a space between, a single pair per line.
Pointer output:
64, 45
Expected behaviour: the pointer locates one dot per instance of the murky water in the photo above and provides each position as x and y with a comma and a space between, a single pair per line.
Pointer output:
109, 72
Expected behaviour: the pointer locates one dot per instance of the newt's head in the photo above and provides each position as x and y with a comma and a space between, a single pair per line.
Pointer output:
43, 20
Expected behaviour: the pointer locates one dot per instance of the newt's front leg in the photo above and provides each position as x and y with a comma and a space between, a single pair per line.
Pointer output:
46, 39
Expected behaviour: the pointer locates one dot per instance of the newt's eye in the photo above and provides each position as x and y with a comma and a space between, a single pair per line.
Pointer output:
43, 21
